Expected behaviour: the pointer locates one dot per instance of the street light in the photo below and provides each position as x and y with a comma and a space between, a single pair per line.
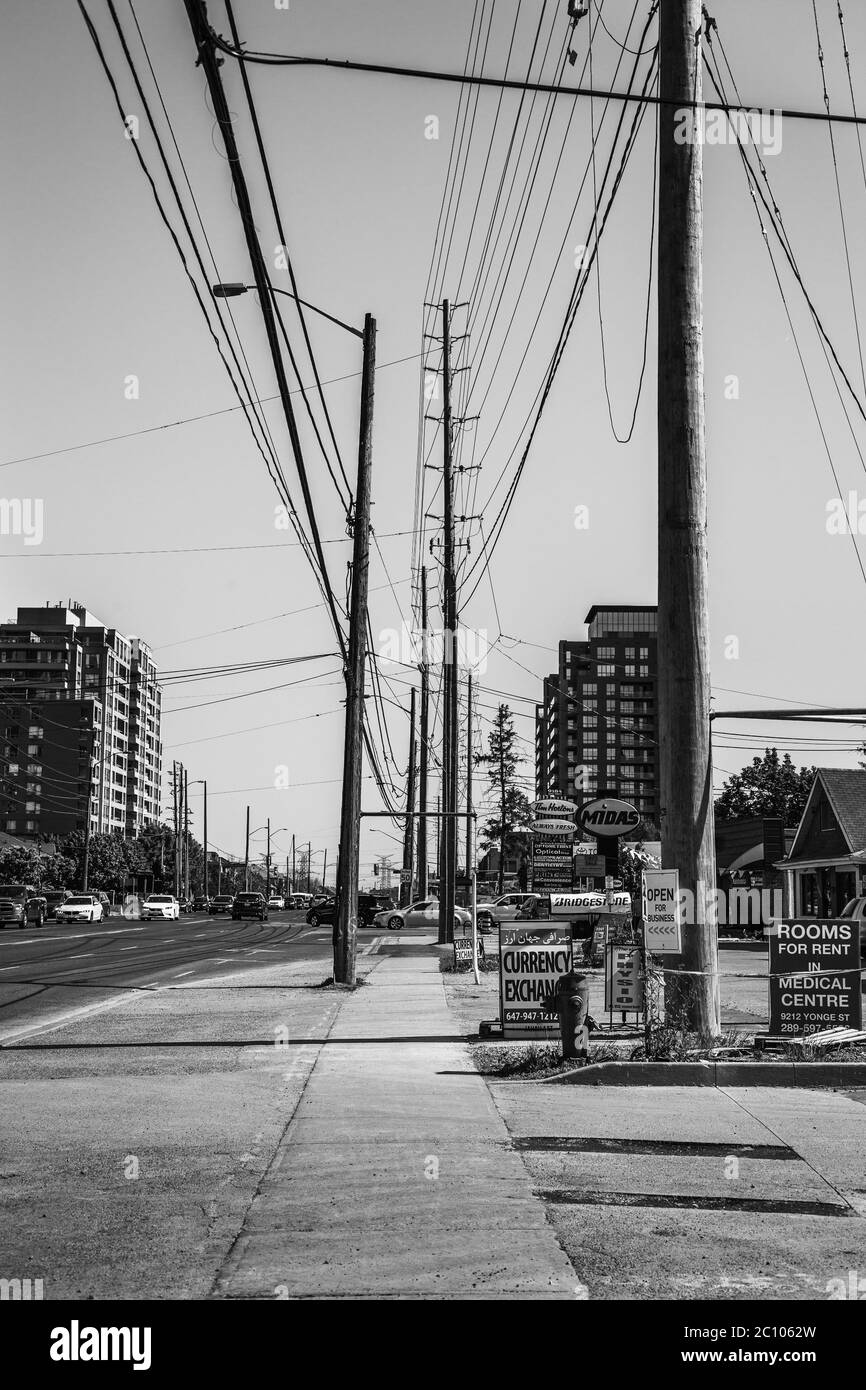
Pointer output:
231, 291
355, 651
202, 781
283, 829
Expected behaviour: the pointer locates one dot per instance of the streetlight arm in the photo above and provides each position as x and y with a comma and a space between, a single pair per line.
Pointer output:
231, 291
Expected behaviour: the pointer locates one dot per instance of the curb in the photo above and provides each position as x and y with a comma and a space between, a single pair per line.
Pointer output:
802, 1075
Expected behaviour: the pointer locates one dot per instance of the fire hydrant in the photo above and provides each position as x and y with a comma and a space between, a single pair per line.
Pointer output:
570, 1000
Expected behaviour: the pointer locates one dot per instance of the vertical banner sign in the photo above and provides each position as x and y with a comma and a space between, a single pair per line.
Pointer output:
531, 960
623, 985
552, 860
814, 968
661, 914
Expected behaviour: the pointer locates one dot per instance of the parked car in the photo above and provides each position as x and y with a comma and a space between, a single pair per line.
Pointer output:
201, 904
160, 907
222, 903
276, 904
300, 900
856, 908
81, 907
249, 905
21, 905
54, 899
490, 913
421, 914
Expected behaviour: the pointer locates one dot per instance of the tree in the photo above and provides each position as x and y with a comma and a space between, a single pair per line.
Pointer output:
772, 786
512, 806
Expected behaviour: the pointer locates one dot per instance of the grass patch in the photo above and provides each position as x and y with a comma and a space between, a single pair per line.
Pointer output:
532, 1059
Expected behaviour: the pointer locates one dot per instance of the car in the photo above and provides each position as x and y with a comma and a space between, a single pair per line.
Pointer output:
21, 905
856, 908
276, 904
490, 913
421, 914
160, 907
222, 903
185, 905
55, 899
301, 900
249, 905
201, 904
325, 910
81, 907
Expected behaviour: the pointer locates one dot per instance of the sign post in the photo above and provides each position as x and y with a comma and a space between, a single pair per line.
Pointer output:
814, 975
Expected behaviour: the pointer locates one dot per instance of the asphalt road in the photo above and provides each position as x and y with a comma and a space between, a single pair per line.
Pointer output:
60, 972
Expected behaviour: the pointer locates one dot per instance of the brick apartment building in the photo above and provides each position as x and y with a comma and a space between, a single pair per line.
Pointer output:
80, 709
596, 728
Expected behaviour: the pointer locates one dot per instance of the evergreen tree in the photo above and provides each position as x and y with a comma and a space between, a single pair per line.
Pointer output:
513, 811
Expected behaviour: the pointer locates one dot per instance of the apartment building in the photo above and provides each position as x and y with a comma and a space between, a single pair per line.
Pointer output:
597, 728
93, 695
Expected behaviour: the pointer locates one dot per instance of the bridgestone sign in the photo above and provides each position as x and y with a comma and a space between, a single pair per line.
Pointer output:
814, 968
531, 960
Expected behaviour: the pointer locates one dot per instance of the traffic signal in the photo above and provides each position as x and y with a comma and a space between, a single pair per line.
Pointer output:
376, 870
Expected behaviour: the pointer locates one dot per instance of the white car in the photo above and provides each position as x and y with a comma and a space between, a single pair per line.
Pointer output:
276, 904
503, 909
160, 907
80, 907
421, 914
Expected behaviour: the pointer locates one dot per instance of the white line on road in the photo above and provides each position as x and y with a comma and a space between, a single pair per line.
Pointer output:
181, 974
72, 936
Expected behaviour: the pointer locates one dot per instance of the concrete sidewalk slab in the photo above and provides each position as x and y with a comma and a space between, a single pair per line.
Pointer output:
396, 1177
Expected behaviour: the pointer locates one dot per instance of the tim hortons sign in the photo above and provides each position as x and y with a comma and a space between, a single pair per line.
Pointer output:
608, 817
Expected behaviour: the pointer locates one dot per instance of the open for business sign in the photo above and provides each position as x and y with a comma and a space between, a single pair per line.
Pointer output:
661, 911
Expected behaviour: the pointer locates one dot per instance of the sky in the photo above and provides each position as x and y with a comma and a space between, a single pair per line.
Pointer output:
94, 293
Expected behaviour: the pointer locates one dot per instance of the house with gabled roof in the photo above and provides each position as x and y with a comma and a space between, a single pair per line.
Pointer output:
826, 865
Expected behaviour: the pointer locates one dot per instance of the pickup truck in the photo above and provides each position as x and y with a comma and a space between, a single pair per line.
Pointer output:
21, 905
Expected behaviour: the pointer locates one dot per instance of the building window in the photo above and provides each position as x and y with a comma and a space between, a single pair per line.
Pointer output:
826, 819
33, 750
607, 669
605, 653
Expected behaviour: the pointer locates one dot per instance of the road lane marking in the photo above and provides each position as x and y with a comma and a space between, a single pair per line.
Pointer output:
69, 936
181, 974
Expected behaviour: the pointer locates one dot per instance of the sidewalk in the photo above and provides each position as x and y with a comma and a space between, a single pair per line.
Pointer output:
395, 1177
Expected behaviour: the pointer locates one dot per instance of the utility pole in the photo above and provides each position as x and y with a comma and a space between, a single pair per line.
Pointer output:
439, 845
85, 868
470, 858
247, 854
409, 831
268, 868
425, 708
185, 833
174, 776
205, 838
346, 921
324, 870
293, 865
449, 654
684, 677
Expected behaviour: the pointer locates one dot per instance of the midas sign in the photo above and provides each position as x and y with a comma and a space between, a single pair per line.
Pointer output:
608, 817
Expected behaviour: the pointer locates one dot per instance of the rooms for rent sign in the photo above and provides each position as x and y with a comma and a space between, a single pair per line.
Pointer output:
531, 960
814, 972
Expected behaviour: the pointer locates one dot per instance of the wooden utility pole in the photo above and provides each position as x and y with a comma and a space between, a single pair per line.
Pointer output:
185, 833
174, 776
205, 839
346, 921
85, 868
268, 865
409, 831
247, 853
449, 654
325, 869
469, 835
422, 776
683, 634
294, 889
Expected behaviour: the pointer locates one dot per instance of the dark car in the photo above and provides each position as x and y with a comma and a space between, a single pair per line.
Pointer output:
222, 903
249, 905
201, 904
368, 905
54, 899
